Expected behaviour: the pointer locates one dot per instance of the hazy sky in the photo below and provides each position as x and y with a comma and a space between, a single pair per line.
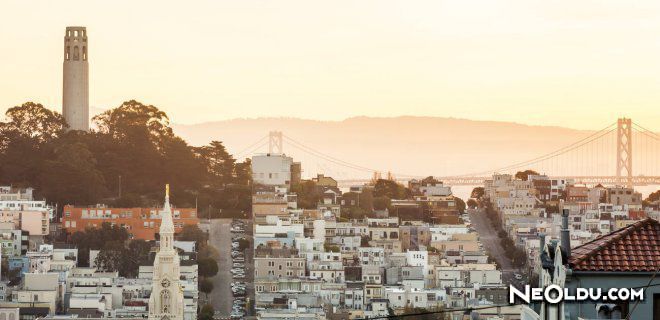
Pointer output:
571, 63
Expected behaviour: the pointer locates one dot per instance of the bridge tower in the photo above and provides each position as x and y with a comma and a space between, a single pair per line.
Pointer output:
275, 141
624, 151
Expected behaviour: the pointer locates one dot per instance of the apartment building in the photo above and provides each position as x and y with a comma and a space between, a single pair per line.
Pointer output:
278, 263
17, 206
141, 223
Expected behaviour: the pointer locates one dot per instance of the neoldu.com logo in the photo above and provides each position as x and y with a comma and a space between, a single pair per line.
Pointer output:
555, 294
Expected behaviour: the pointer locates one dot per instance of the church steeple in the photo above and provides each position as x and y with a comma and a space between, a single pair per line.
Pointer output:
166, 300
166, 224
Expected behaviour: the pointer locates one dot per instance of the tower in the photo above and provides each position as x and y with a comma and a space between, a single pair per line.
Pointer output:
75, 84
275, 142
166, 300
624, 151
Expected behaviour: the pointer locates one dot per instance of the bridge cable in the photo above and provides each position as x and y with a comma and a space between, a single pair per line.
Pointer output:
337, 161
250, 147
597, 135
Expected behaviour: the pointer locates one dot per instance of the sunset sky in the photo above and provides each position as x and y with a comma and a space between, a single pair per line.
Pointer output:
578, 64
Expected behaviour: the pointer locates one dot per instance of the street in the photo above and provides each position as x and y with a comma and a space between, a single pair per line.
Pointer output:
492, 245
220, 238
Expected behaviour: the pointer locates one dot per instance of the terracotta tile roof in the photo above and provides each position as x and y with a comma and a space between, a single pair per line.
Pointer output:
633, 248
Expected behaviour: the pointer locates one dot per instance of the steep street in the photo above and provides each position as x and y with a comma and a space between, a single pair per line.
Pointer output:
491, 241
220, 238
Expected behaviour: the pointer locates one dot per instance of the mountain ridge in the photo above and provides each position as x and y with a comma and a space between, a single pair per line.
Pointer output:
412, 144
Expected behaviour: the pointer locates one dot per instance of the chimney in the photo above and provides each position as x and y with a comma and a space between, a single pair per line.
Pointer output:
565, 234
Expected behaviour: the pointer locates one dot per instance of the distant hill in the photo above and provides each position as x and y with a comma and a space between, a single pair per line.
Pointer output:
407, 145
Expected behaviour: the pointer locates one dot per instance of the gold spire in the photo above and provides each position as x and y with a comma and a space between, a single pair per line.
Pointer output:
167, 190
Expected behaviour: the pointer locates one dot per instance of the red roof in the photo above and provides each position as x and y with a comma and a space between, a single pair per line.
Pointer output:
633, 248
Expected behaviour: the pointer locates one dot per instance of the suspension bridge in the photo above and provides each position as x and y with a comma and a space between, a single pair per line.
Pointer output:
606, 156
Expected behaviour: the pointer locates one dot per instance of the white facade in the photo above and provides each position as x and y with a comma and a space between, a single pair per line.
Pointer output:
372, 256
271, 169
435, 190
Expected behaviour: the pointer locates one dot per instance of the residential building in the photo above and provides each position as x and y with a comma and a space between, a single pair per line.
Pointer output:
141, 223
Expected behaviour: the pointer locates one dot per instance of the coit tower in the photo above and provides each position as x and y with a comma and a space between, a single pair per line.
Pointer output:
75, 91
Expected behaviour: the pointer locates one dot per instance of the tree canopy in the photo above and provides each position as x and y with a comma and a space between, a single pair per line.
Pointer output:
524, 175
390, 189
477, 193
132, 147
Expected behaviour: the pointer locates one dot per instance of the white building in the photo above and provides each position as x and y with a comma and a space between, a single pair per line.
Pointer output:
274, 169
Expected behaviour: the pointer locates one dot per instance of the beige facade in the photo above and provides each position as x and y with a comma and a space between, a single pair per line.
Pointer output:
623, 196
270, 204
75, 91
37, 223
279, 267
414, 236
455, 245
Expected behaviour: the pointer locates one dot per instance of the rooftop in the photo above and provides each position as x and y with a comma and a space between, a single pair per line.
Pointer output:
633, 248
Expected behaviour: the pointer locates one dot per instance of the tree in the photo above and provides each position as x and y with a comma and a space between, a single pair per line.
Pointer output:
133, 118
134, 143
243, 244
206, 286
421, 313
243, 172
206, 313
381, 203
654, 196
96, 239
308, 194
460, 204
24, 142
652, 199
524, 175
477, 193
430, 180
72, 176
110, 258
471, 203
125, 258
207, 267
390, 189
31, 120
181, 166
219, 163
330, 248
192, 232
